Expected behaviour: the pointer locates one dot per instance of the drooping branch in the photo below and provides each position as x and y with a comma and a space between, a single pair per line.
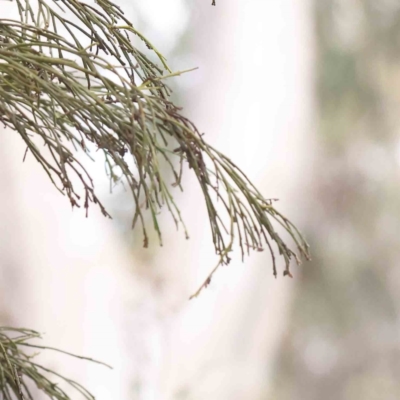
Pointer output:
72, 80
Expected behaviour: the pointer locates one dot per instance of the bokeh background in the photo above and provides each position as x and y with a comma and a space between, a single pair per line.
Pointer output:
304, 96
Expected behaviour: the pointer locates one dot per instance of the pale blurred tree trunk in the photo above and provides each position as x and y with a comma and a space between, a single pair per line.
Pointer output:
253, 96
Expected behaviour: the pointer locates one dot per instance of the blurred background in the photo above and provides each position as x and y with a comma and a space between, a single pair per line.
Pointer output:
303, 95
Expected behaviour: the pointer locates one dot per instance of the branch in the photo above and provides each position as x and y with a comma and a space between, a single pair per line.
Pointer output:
77, 84
18, 370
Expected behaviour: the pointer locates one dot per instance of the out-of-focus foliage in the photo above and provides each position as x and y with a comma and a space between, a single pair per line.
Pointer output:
343, 335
